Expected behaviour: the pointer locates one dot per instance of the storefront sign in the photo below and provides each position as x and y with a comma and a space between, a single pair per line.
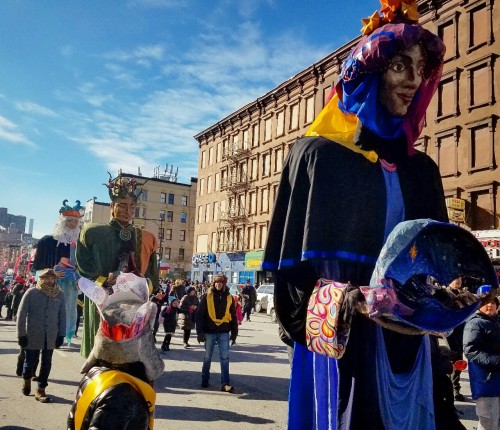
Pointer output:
454, 203
204, 258
253, 260
456, 216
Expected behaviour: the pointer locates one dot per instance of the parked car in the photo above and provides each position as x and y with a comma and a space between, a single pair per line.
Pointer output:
270, 308
263, 294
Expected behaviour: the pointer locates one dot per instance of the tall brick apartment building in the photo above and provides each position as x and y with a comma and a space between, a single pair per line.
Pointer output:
241, 155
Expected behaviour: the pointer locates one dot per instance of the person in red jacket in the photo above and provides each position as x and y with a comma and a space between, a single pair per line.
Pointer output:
216, 323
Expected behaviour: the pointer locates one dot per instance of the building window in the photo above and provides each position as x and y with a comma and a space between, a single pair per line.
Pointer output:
251, 237
246, 143
255, 135
207, 213
481, 215
202, 186
211, 156
215, 211
252, 196
217, 182
184, 201
209, 184
422, 143
161, 233
218, 153
262, 235
168, 234
144, 195
182, 235
294, 116
267, 129
278, 160
163, 197
481, 144
181, 254
254, 173
160, 252
447, 30
169, 216
137, 212
203, 159
167, 253
309, 102
162, 215
327, 94
214, 241
266, 164
200, 214
183, 217
280, 123
480, 28
447, 151
480, 77
171, 199
274, 188
264, 200
448, 96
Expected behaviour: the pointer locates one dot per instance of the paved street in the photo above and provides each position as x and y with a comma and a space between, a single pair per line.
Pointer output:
259, 371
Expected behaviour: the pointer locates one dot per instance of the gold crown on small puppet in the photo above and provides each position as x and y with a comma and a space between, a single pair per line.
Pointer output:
122, 187
75, 211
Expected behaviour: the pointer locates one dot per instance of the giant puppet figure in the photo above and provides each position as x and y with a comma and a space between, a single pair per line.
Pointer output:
105, 250
344, 187
57, 251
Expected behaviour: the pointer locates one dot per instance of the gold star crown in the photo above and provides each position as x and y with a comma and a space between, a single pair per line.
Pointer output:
391, 9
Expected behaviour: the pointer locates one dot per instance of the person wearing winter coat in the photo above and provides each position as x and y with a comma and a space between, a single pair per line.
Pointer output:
188, 303
216, 323
41, 326
482, 349
248, 296
169, 315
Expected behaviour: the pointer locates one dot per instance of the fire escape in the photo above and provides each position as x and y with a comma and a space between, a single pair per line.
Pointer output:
232, 220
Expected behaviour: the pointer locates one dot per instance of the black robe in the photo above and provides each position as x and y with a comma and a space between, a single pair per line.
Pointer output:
331, 208
49, 253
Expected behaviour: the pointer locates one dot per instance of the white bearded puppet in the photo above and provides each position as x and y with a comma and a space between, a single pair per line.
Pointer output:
58, 252
117, 387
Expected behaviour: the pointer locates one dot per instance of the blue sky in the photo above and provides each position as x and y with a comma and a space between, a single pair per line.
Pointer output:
93, 86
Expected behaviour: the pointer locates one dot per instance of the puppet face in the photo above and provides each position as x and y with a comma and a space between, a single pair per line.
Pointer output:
123, 210
71, 222
401, 80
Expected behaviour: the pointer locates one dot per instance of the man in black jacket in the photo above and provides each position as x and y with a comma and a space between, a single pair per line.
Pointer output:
216, 323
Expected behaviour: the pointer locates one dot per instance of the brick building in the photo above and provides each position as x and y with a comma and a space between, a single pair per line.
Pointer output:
241, 156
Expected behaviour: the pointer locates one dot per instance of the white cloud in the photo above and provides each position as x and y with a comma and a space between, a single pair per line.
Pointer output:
8, 132
35, 108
